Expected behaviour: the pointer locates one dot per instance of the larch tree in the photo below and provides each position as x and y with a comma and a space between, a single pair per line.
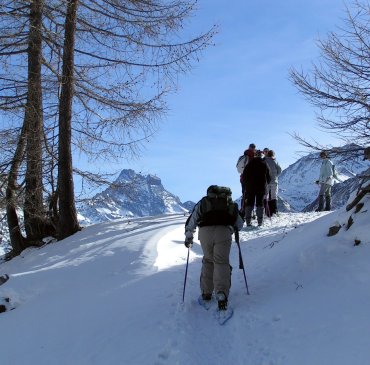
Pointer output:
339, 85
67, 222
102, 90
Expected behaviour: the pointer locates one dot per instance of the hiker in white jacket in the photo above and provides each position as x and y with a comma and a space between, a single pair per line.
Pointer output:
326, 181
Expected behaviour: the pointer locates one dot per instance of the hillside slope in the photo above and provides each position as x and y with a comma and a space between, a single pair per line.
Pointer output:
111, 294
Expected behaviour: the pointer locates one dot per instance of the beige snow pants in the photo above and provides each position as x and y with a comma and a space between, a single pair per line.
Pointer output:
216, 272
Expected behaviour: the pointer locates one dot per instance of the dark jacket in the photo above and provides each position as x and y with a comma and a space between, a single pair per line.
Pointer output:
256, 175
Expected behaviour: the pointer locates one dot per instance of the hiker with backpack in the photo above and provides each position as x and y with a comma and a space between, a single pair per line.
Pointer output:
217, 216
272, 188
255, 178
326, 181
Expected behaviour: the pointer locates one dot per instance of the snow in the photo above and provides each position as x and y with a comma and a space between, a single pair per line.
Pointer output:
112, 294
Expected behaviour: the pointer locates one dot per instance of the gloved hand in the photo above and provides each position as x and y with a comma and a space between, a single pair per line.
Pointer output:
189, 239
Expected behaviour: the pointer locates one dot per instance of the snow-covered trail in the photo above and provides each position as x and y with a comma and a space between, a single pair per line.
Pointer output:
296, 313
95, 298
112, 294
113, 290
197, 337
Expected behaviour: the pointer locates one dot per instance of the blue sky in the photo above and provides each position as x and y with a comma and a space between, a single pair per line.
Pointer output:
239, 93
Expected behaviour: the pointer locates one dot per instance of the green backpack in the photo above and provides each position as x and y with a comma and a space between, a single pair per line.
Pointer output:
218, 208
219, 192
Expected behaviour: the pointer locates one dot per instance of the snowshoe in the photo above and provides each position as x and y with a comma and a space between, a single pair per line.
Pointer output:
222, 301
205, 300
224, 312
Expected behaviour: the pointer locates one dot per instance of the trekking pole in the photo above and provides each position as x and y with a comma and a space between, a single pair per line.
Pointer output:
186, 274
241, 264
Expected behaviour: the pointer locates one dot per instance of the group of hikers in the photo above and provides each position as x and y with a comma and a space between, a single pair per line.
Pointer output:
218, 217
259, 172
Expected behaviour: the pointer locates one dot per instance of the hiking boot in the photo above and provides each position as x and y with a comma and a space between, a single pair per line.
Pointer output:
222, 301
206, 296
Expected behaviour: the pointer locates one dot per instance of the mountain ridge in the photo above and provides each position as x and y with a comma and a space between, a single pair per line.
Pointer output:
131, 195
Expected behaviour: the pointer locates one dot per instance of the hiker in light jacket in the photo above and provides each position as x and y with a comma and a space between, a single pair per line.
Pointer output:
326, 181
217, 222
272, 187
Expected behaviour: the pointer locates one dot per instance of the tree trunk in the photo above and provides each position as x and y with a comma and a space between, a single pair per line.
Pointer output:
16, 237
68, 223
34, 216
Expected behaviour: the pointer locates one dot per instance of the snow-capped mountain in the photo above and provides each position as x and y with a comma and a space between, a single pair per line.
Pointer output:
131, 195
297, 182
189, 205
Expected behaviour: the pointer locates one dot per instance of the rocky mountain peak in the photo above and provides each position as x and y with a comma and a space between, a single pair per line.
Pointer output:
131, 194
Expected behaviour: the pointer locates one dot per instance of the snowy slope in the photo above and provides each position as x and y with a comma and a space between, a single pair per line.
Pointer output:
111, 294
